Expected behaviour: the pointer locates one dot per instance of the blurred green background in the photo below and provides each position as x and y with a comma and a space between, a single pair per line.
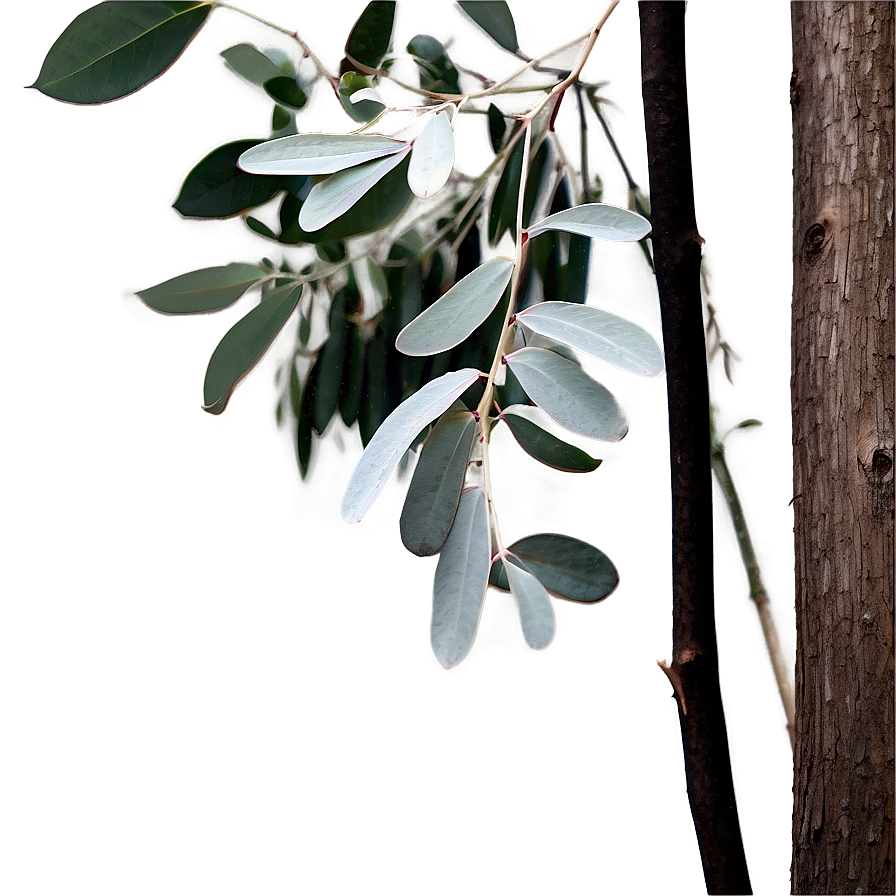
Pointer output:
211, 684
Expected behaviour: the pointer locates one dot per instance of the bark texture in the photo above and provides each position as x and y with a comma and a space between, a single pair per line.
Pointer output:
842, 392
694, 670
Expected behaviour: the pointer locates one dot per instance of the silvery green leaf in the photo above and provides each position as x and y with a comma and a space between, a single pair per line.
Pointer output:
453, 317
460, 581
316, 153
245, 342
435, 489
367, 93
432, 157
595, 220
395, 435
330, 198
533, 602
600, 334
567, 394
208, 289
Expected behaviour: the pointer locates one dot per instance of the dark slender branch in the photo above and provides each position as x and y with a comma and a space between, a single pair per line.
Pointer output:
694, 669
583, 145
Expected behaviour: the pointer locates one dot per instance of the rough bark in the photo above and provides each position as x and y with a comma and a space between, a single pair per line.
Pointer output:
842, 393
694, 670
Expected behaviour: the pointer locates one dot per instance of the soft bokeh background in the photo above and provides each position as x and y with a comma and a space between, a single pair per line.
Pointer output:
212, 685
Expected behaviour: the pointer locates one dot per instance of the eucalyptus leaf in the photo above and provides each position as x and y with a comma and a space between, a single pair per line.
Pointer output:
437, 72
330, 361
334, 196
451, 319
567, 394
217, 188
432, 157
114, 49
597, 221
460, 581
286, 91
371, 34
244, 344
497, 127
351, 392
395, 435
358, 97
598, 333
533, 603
543, 445
565, 566
435, 489
495, 20
208, 289
250, 63
317, 153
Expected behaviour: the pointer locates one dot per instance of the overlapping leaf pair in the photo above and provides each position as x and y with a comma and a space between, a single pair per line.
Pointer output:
444, 515
355, 163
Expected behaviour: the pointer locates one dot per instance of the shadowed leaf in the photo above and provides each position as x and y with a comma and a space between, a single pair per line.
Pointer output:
544, 446
284, 89
114, 49
250, 63
244, 344
208, 289
395, 435
460, 582
568, 395
533, 603
371, 35
353, 94
438, 481
495, 20
570, 568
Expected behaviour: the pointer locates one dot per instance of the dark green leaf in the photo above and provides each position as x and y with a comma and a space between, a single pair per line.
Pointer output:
502, 215
244, 344
280, 119
547, 448
495, 20
497, 127
363, 110
260, 228
351, 393
216, 188
569, 568
114, 49
576, 270
329, 365
208, 289
747, 424
437, 71
285, 91
375, 404
371, 35
250, 63
438, 481
304, 434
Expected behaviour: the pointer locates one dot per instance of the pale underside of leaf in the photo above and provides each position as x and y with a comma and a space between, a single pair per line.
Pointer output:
334, 196
464, 307
244, 344
433, 156
567, 394
316, 153
461, 580
367, 93
596, 220
437, 483
396, 433
598, 333
209, 289
533, 602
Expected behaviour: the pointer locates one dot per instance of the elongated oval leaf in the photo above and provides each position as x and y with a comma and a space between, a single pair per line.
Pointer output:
595, 220
216, 188
317, 153
435, 489
544, 446
208, 289
602, 335
286, 91
432, 157
250, 63
371, 34
567, 394
495, 20
244, 343
395, 435
533, 603
334, 196
456, 315
570, 568
114, 49
358, 97
460, 582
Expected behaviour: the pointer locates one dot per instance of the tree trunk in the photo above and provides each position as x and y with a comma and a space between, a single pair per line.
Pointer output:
842, 393
694, 670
